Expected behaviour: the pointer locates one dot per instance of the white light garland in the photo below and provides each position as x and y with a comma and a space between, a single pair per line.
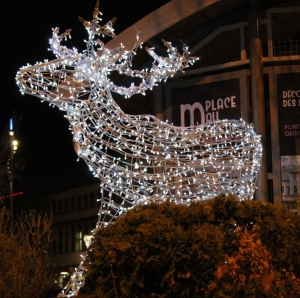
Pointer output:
139, 159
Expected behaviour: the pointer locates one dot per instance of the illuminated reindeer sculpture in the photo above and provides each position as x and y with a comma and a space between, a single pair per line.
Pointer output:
139, 158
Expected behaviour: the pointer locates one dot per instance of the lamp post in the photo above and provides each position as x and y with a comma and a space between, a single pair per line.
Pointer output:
13, 148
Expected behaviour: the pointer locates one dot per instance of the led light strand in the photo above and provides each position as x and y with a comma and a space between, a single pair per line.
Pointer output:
138, 159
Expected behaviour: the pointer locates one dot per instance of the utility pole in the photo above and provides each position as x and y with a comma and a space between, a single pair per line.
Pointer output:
13, 148
257, 93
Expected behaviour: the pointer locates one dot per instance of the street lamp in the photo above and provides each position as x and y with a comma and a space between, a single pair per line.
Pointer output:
13, 148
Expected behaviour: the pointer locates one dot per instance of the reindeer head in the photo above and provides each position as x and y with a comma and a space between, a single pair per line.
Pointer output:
74, 78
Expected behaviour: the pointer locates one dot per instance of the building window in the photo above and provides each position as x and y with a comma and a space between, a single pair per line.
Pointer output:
59, 211
93, 225
78, 203
86, 201
65, 206
60, 241
79, 239
54, 208
286, 34
225, 47
53, 243
92, 200
73, 238
72, 204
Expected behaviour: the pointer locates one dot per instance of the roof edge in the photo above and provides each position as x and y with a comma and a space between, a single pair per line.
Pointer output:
157, 21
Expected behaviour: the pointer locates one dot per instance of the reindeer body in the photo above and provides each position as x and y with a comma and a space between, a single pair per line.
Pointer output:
140, 158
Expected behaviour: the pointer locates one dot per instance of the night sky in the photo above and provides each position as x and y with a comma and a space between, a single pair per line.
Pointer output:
45, 141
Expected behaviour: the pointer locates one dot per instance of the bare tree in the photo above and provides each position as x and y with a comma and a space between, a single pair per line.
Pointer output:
25, 263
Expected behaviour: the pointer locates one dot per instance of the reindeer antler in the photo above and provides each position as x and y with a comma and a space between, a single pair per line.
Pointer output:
93, 26
58, 50
162, 68
94, 67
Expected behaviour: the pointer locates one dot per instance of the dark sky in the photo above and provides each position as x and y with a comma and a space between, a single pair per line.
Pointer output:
26, 26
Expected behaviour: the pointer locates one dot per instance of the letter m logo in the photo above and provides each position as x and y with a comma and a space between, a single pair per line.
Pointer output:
188, 111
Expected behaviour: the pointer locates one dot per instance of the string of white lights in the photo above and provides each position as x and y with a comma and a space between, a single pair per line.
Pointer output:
138, 158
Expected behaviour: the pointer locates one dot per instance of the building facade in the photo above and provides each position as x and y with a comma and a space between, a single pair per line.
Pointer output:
75, 215
249, 68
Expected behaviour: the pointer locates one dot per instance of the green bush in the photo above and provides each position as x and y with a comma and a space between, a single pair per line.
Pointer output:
221, 248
